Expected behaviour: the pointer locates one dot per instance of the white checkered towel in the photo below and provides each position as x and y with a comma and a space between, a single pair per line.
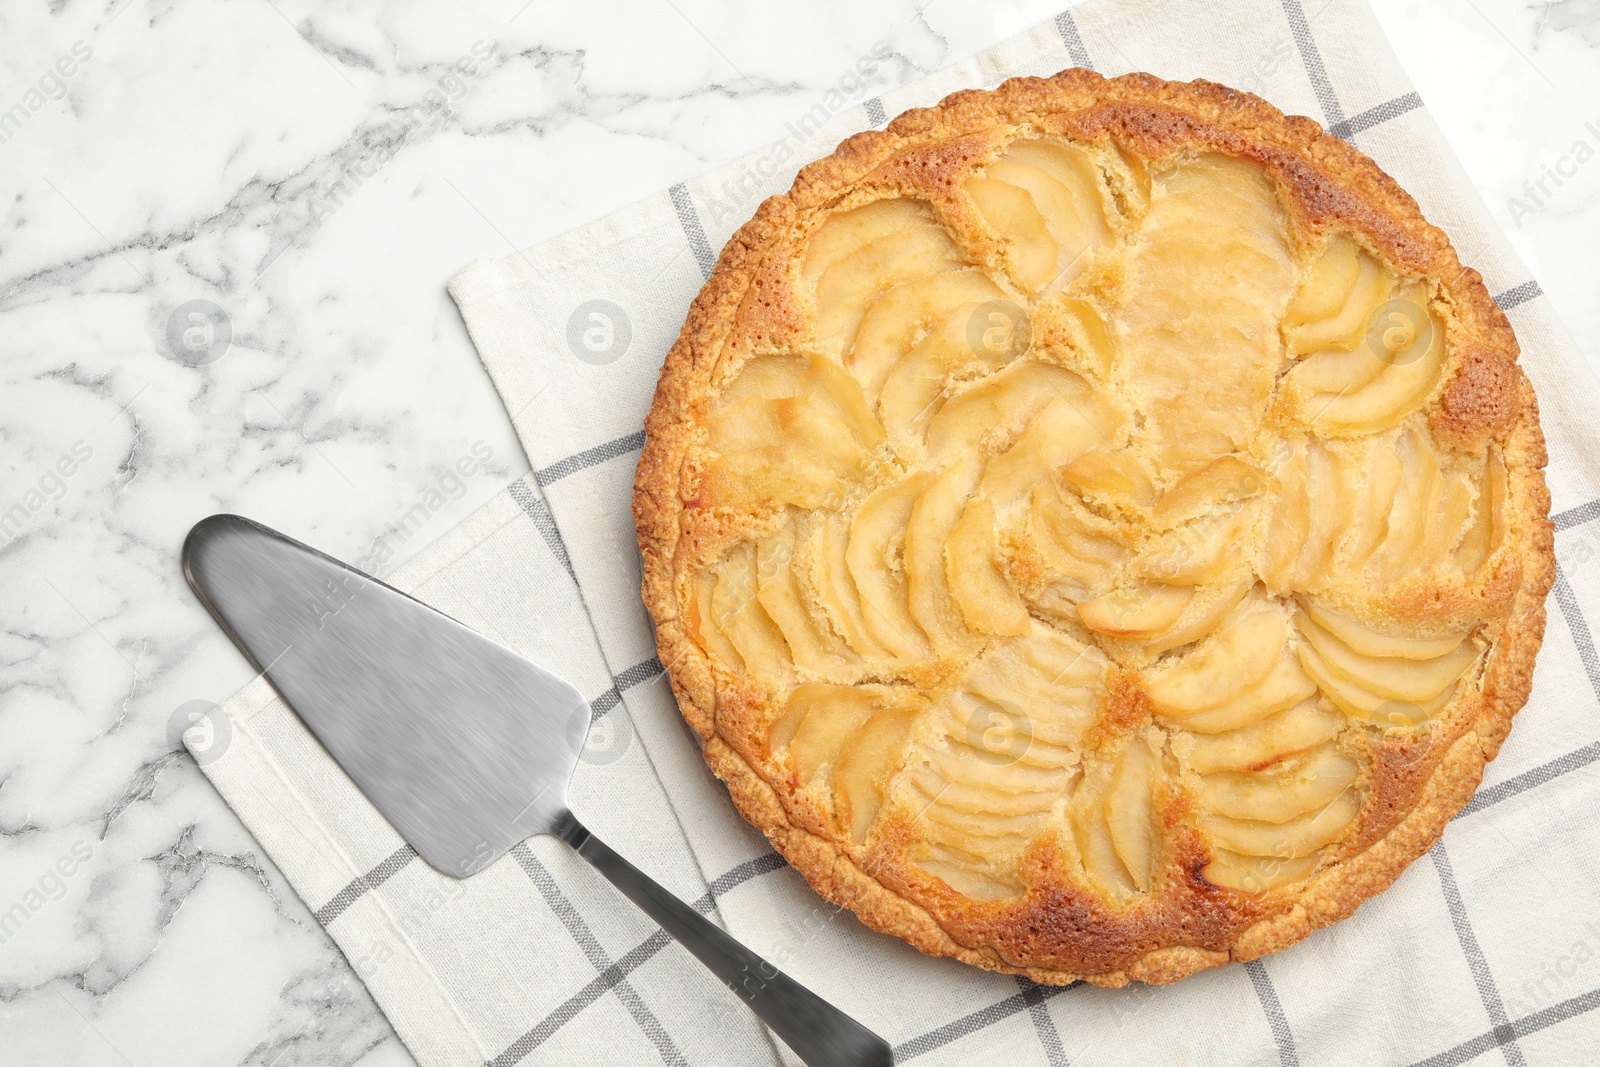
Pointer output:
1490, 947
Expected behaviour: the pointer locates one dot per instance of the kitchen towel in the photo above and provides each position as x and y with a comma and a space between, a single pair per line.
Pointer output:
1488, 947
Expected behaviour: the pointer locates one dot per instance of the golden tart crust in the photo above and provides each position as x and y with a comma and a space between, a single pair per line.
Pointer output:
1096, 527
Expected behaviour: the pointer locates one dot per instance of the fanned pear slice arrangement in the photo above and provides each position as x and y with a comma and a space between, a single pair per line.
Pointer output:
1097, 528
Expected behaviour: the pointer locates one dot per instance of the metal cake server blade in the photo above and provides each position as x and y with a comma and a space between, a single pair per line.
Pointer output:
464, 746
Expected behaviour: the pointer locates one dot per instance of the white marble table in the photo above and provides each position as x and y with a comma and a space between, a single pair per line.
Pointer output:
277, 191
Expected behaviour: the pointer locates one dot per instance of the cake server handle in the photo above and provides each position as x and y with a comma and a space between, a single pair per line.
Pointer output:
819, 1033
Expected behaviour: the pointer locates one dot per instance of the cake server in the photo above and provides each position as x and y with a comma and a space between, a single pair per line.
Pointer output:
464, 746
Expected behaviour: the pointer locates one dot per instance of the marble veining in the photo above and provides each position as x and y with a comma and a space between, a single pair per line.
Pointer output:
225, 231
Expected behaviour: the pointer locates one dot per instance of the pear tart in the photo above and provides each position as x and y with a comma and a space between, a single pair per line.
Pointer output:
1096, 527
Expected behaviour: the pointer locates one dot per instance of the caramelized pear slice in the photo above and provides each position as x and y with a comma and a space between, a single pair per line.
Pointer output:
1242, 652
762, 378
1294, 839
900, 315
791, 431
1417, 498
934, 515
1031, 253
1222, 483
814, 648
1327, 285
703, 629
1257, 874
1207, 550
1207, 279
982, 745
1074, 545
824, 719
1079, 226
738, 614
974, 797
1091, 336
1309, 512
846, 232
977, 822
1395, 393
788, 472
1332, 372
877, 541
1448, 523
861, 777
1382, 476
1345, 328
1057, 206
1111, 475
1288, 520
1286, 792
1325, 489
987, 601
1362, 704
1263, 743
782, 474
830, 388
1064, 429
1034, 697
999, 406
1092, 834
1060, 661
1144, 611
853, 283
1074, 169
985, 848
1284, 686
960, 874
1488, 526
1416, 680
826, 559
1130, 812
1392, 341
1370, 641
914, 388
1205, 613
